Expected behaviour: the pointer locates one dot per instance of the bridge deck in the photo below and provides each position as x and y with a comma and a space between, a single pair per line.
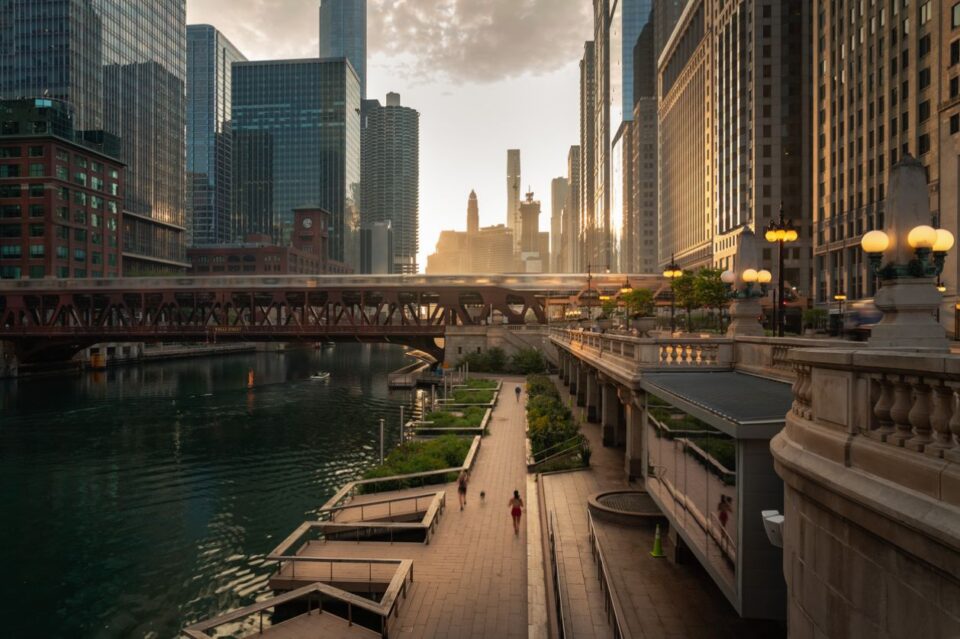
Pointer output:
326, 625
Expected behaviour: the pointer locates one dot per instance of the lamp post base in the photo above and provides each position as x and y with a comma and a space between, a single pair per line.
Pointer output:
745, 318
908, 306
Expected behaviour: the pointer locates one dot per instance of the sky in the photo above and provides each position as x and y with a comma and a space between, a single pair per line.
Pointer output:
485, 75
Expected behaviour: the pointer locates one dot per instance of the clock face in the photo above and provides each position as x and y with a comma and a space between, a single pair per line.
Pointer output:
307, 222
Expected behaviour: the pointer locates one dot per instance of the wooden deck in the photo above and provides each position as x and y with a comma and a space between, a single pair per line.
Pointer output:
313, 626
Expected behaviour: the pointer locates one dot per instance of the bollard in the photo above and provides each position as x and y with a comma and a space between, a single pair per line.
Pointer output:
657, 545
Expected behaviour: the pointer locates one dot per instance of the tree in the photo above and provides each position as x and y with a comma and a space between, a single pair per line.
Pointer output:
608, 308
684, 293
639, 302
709, 289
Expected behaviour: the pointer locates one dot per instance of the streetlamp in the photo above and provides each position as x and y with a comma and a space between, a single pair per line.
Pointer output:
780, 233
906, 257
840, 298
672, 272
588, 293
741, 282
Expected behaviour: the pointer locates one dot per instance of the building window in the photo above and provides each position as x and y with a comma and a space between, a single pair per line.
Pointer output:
955, 18
9, 170
924, 78
10, 272
11, 252
37, 210
923, 144
955, 123
37, 230
924, 45
36, 151
62, 252
36, 190
924, 13
9, 152
955, 87
36, 170
924, 113
36, 250
9, 230
954, 52
79, 255
37, 272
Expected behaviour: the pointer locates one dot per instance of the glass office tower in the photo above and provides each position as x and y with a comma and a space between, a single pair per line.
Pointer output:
209, 139
296, 126
122, 65
343, 34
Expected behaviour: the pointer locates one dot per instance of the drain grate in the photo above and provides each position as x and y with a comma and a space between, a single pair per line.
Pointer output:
639, 503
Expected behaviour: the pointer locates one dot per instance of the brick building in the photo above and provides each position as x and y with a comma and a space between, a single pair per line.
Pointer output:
61, 194
259, 255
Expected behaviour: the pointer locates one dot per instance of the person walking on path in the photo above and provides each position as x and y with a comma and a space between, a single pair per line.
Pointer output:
462, 488
517, 391
516, 509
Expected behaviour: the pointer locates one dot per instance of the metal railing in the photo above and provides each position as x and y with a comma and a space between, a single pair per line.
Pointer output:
610, 603
559, 583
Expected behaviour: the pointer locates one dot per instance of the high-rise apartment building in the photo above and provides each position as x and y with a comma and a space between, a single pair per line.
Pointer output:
390, 177
210, 56
534, 245
559, 190
478, 250
761, 113
473, 213
513, 194
124, 73
886, 83
343, 34
588, 251
686, 123
296, 126
570, 231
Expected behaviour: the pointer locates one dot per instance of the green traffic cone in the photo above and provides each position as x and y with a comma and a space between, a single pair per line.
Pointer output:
657, 545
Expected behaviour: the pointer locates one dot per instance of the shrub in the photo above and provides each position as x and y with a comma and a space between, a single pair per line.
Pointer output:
494, 360
541, 385
481, 384
447, 451
469, 417
472, 396
527, 361
549, 421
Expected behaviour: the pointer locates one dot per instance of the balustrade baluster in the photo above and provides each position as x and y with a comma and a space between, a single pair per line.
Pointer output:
882, 410
920, 417
943, 408
900, 412
674, 354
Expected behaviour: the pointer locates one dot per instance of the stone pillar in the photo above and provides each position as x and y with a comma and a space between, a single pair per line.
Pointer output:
580, 387
610, 407
8, 360
593, 397
909, 321
745, 318
636, 418
620, 432
565, 367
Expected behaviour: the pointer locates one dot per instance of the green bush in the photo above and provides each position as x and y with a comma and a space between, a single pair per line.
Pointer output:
481, 384
527, 361
469, 417
493, 360
541, 385
447, 451
549, 421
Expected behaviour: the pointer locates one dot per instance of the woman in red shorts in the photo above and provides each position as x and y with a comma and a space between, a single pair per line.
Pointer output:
516, 509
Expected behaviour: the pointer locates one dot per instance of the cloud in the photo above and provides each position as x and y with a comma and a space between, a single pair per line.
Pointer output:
262, 29
480, 40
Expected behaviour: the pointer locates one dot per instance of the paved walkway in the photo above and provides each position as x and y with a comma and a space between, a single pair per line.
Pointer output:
659, 598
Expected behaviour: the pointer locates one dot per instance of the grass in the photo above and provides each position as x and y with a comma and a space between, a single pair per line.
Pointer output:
481, 384
447, 451
469, 417
472, 396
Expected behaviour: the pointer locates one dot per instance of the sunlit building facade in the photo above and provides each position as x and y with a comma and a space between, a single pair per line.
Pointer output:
343, 34
123, 68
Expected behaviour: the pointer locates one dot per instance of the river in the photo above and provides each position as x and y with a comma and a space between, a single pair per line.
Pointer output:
139, 498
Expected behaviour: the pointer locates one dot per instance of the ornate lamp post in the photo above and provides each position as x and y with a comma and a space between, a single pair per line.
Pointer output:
589, 292
907, 257
747, 285
672, 272
780, 233
840, 298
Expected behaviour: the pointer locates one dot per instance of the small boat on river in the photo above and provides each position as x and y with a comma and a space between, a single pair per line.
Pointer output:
322, 376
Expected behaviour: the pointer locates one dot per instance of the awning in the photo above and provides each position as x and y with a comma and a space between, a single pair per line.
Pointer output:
743, 406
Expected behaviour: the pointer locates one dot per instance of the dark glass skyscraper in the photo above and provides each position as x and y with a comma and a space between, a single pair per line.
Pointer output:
209, 139
296, 126
343, 34
122, 65
391, 176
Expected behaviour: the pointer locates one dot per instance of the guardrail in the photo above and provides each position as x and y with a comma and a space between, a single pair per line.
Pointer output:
610, 603
385, 609
559, 581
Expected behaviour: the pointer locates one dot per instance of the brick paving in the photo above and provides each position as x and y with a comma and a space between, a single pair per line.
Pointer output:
658, 598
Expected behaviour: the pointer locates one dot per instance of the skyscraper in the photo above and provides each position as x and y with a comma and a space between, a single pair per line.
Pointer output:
473, 213
586, 249
390, 178
559, 189
343, 34
571, 214
296, 126
209, 138
513, 194
123, 70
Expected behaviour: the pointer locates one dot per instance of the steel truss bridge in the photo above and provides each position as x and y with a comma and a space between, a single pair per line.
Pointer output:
53, 319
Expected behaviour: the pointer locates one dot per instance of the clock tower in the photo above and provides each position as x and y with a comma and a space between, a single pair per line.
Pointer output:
311, 231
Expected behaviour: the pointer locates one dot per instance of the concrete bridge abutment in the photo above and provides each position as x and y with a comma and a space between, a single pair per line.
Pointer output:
593, 398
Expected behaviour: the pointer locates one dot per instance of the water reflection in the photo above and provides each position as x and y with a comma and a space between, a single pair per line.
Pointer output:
146, 496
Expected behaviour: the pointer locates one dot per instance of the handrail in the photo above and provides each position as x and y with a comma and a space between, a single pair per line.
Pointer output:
611, 603
557, 455
578, 437
558, 582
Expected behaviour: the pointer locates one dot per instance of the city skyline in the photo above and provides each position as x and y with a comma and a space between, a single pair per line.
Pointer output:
474, 105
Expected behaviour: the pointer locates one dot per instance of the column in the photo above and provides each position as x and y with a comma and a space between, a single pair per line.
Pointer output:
610, 408
636, 418
580, 387
593, 397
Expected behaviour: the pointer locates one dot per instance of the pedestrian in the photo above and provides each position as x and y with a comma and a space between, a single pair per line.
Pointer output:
516, 509
462, 488
723, 510
517, 391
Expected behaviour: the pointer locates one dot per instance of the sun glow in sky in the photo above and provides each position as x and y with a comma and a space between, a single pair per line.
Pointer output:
485, 75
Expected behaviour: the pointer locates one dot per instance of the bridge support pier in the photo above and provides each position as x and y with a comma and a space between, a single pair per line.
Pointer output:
579, 387
636, 418
610, 415
593, 397
9, 362
564, 369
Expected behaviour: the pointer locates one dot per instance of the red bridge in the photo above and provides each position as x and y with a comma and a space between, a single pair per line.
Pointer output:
52, 319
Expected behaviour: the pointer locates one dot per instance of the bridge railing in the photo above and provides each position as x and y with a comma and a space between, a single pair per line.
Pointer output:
651, 352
